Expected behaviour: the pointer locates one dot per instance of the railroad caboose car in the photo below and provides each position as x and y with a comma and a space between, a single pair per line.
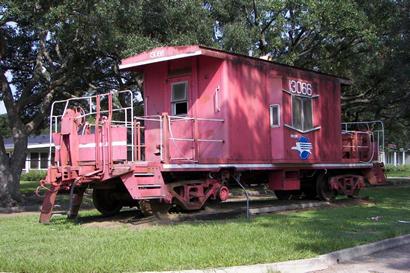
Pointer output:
211, 119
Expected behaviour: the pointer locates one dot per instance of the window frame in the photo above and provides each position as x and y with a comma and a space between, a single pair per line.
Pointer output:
34, 160
174, 102
43, 160
302, 112
271, 107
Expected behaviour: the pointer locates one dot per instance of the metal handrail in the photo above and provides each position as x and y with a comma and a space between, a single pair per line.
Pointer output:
89, 104
194, 119
53, 118
373, 127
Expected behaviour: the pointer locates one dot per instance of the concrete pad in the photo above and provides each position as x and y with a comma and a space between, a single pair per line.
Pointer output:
297, 206
393, 260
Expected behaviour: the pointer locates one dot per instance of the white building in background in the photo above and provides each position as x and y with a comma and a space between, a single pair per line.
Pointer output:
398, 157
37, 155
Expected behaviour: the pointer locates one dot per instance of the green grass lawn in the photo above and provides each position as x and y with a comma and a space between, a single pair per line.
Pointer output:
26, 246
398, 171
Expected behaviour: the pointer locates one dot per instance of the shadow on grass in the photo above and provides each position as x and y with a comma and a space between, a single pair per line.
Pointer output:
323, 231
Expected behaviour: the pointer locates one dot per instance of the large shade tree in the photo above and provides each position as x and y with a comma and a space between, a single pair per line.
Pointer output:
382, 73
57, 49
48, 50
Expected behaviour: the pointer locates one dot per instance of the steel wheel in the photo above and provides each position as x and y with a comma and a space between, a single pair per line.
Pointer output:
105, 203
323, 189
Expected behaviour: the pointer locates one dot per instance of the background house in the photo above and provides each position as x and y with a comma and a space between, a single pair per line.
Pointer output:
38, 150
397, 157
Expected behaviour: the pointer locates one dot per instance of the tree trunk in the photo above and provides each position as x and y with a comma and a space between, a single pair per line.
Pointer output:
10, 171
5, 179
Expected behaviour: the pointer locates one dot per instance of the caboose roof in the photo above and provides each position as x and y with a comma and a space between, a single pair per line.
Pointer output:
162, 54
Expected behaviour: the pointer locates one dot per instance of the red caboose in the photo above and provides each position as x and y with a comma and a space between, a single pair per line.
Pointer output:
211, 119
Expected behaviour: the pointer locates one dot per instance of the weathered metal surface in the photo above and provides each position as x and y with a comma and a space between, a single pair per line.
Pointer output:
206, 112
347, 184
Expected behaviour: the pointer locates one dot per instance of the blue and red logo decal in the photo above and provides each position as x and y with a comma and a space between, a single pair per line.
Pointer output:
304, 147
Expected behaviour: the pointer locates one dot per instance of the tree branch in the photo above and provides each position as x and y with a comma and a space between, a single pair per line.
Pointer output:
8, 98
38, 71
268, 24
45, 105
357, 101
2, 147
255, 12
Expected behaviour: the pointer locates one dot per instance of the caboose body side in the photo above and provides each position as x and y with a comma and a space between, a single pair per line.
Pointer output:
242, 93
209, 118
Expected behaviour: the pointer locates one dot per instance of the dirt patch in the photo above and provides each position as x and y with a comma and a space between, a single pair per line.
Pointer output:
223, 211
19, 213
233, 208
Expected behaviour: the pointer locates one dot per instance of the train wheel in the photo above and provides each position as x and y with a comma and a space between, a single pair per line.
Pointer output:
323, 189
287, 195
105, 203
154, 208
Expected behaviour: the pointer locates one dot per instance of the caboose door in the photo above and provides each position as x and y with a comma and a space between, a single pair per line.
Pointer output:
181, 142
275, 113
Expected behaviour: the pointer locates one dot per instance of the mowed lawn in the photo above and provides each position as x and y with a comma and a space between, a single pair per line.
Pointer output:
26, 246
398, 171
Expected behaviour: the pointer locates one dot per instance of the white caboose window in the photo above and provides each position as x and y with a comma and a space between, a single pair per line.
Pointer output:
179, 98
302, 116
274, 113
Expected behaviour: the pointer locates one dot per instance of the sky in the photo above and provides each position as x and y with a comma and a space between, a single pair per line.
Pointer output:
2, 109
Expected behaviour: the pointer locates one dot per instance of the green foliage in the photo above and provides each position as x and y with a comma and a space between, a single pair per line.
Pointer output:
301, 32
381, 89
66, 48
33, 175
159, 23
63, 245
28, 188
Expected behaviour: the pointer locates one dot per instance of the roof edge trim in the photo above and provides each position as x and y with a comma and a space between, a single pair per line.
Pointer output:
161, 59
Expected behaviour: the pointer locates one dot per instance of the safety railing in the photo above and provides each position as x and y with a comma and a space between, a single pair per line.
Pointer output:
194, 138
169, 142
141, 123
364, 137
162, 131
90, 107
